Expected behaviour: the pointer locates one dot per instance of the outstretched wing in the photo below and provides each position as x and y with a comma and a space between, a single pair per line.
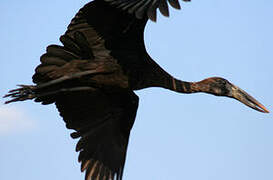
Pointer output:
141, 7
102, 116
103, 123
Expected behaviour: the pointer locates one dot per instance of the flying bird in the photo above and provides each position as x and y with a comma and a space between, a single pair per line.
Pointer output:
92, 77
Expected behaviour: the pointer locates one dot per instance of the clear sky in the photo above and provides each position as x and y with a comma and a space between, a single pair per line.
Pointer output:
175, 136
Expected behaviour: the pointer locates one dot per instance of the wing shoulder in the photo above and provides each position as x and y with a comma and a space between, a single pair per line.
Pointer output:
74, 52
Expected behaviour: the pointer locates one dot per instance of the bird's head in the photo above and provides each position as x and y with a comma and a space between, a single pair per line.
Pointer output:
222, 87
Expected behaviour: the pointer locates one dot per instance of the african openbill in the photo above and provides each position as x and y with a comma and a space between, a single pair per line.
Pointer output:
91, 79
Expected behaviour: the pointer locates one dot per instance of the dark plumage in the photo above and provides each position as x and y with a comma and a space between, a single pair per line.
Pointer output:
91, 79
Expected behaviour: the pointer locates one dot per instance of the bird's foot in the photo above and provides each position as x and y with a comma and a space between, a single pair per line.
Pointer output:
23, 93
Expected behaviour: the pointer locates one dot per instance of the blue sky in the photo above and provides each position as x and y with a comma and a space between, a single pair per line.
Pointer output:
175, 136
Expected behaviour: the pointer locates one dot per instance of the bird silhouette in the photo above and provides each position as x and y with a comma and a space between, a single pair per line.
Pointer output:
92, 77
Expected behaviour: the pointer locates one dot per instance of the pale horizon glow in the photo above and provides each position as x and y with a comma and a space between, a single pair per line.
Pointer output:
15, 121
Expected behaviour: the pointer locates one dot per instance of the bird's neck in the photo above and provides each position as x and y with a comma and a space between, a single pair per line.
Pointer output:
182, 86
152, 75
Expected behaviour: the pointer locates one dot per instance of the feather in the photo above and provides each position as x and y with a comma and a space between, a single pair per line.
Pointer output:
44, 69
163, 8
102, 173
82, 156
99, 173
47, 59
84, 45
61, 52
75, 135
80, 145
136, 6
70, 44
90, 172
141, 11
175, 4
120, 4
152, 10
128, 5
85, 164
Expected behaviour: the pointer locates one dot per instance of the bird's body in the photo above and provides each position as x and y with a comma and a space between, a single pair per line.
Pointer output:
115, 37
92, 78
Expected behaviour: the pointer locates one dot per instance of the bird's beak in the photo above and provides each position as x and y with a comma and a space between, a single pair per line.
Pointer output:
248, 100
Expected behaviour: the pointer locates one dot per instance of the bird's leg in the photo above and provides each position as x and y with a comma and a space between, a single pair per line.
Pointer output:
20, 94
219, 87
26, 92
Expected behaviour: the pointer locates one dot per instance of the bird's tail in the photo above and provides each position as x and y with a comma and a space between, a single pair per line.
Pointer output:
23, 93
